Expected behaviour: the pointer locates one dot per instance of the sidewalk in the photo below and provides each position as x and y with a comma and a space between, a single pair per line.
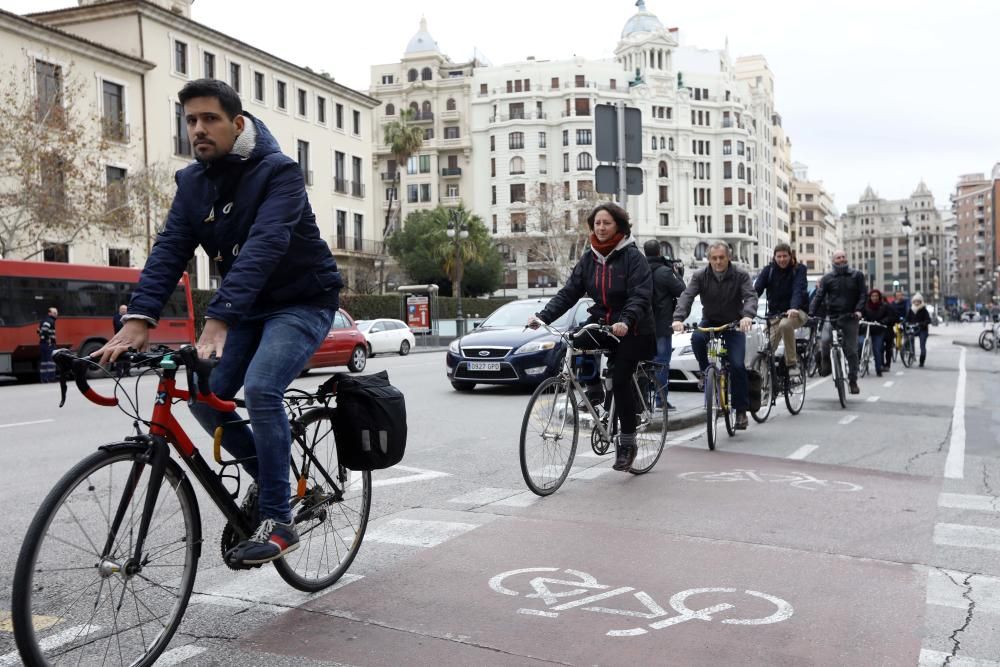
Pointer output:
963, 333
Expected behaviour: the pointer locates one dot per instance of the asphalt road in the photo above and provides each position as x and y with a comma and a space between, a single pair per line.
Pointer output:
865, 536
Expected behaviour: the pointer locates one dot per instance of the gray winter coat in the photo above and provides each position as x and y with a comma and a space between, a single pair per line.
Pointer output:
722, 301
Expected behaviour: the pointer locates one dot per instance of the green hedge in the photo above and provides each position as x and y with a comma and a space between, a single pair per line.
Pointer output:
370, 306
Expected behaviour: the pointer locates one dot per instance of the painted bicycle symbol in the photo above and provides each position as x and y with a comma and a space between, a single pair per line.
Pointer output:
798, 480
555, 587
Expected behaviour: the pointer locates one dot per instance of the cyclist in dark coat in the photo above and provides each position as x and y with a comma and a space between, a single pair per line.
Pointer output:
244, 202
878, 311
842, 292
615, 274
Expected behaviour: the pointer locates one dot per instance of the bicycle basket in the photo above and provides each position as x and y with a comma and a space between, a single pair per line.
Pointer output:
370, 425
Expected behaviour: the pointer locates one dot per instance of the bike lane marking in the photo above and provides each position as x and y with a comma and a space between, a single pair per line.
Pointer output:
178, 655
954, 466
847, 420
802, 452
958, 535
416, 475
32, 423
873, 399
888, 383
929, 658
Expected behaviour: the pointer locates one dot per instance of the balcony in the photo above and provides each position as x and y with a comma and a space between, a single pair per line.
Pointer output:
357, 189
452, 114
503, 118
389, 176
422, 117
340, 185
114, 129
451, 201
451, 172
343, 244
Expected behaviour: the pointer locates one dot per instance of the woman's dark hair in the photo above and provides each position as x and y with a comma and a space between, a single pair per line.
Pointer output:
222, 91
876, 291
784, 247
616, 212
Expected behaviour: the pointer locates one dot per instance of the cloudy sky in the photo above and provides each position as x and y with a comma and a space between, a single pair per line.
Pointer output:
886, 92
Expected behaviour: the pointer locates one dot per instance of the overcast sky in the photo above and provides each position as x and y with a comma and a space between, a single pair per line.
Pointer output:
884, 92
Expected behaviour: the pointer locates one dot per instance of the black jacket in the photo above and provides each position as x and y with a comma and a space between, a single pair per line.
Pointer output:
250, 212
722, 301
666, 288
883, 314
47, 330
840, 293
920, 317
620, 285
786, 288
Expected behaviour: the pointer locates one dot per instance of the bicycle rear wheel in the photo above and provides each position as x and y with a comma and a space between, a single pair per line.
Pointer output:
987, 339
651, 426
711, 406
78, 597
762, 366
726, 396
838, 376
330, 506
795, 389
549, 433
866, 357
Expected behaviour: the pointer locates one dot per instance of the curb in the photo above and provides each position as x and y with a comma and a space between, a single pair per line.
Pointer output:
685, 419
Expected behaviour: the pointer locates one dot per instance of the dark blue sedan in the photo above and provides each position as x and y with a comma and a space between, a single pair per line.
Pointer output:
502, 351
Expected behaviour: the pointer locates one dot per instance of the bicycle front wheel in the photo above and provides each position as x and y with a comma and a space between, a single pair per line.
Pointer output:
79, 596
907, 356
763, 367
795, 389
711, 406
549, 433
651, 426
987, 339
838, 376
330, 507
866, 357
726, 400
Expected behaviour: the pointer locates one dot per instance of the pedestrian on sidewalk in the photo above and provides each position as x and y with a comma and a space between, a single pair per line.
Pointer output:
917, 314
46, 346
667, 286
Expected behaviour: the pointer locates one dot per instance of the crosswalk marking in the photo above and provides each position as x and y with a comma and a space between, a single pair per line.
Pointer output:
37, 622
483, 496
976, 537
944, 592
262, 587
67, 636
178, 655
930, 658
591, 473
416, 475
523, 499
962, 501
417, 533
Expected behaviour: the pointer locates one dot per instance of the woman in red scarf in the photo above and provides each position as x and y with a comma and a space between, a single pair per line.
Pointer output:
877, 310
615, 274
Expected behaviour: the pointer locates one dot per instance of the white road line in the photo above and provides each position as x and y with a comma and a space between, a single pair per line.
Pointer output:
944, 592
958, 535
873, 399
178, 655
687, 437
810, 387
523, 499
484, 496
591, 473
67, 636
899, 373
263, 588
963, 501
803, 451
40, 421
417, 475
929, 658
417, 533
888, 383
848, 419
954, 465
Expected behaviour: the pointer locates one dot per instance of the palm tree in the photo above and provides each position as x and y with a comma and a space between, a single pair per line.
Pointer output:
403, 140
456, 250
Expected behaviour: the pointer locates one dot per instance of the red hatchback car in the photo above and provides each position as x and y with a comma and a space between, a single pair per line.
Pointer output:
344, 346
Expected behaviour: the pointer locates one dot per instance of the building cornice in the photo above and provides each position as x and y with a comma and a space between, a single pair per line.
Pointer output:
154, 12
54, 36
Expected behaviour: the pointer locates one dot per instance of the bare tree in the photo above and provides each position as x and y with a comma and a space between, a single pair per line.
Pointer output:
56, 185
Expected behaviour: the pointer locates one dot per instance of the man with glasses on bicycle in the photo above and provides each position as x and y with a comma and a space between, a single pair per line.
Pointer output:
244, 202
842, 293
784, 280
727, 295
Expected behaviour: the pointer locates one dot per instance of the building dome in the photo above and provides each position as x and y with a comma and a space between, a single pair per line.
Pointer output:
643, 21
421, 41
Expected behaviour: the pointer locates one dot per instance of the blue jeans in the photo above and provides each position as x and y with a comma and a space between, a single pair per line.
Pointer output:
878, 341
664, 349
263, 354
736, 349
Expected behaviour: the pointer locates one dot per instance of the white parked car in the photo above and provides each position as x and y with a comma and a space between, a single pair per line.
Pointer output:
683, 365
385, 335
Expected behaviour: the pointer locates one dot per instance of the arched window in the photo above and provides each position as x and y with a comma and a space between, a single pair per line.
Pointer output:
390, 110
652, 143
740, 171
425, 74
667, 250
414, 107
450, 104
670, 143
515, 140
663, 169
663, 143
426, 107
516, 165
584, 162
411, 75
701, 251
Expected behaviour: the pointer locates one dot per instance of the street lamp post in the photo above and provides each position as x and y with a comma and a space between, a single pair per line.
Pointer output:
908, 231
458, 230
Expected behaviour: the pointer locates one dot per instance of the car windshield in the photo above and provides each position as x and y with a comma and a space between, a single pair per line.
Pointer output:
364, 325
694, 317
516, 314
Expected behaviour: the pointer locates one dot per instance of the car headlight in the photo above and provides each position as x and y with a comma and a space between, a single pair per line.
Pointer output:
685, 351
535, 346
453, 347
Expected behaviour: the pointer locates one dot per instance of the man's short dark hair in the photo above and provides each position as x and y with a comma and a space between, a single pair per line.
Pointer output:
651, 248
220, 90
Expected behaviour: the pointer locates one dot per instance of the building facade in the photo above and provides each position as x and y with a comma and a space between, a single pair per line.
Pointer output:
974, 204
814, 231
898, 244
325, 126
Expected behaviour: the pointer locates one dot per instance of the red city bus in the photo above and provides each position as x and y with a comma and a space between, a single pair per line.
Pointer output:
87, 298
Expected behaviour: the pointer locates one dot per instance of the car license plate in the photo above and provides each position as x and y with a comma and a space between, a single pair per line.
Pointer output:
484, 365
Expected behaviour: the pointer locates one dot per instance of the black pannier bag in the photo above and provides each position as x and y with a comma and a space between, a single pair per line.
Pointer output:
370, 426
755, 381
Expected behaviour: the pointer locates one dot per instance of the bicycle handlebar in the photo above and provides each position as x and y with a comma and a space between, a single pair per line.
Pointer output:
577, 333
70, 364
719, 329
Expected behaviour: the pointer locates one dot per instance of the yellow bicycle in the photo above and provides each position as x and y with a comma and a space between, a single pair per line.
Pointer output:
718, 385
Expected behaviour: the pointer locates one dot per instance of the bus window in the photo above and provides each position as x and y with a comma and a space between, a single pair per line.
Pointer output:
176, 306
30, 299
89, 299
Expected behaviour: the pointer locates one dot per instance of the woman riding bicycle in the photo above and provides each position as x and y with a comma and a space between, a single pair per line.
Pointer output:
918, 315
615, 274
878, 311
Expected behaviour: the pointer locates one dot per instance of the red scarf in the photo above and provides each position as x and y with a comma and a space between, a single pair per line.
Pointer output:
606, 247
